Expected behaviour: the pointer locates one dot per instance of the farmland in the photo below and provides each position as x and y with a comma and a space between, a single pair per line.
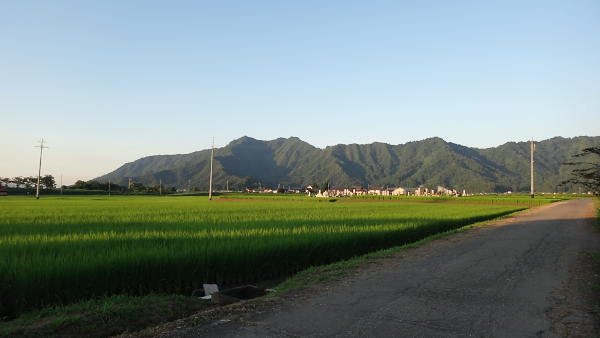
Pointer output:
67, 249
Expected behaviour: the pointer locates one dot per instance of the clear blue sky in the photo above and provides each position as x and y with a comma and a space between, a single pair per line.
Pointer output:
108, 82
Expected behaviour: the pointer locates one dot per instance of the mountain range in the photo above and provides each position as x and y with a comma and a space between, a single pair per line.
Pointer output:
247, 162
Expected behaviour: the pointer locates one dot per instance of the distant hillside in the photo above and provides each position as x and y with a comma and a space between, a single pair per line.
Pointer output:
431, 162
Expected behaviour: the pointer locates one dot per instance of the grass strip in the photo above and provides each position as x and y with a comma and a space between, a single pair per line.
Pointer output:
103, 317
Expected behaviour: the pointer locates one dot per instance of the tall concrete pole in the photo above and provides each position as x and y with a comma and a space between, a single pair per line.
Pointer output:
532, 150
37, 194
212, 152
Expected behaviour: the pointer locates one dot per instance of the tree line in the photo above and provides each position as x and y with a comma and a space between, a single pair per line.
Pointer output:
585, 174
46, 181
132, 188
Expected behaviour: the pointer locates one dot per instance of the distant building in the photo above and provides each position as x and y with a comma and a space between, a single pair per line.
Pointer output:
3, 191
399, 191
338, 191
375, 190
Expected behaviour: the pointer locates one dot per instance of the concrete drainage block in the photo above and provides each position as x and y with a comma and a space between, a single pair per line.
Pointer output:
237, 294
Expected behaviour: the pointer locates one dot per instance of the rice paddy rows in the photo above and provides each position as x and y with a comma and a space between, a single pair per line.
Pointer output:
63, 250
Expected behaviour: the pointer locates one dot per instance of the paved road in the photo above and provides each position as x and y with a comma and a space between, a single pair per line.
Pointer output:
499, 283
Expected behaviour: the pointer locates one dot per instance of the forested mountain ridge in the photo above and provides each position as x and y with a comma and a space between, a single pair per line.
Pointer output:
431, 162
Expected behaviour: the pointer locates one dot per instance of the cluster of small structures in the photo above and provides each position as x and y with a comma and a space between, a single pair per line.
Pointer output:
357, 190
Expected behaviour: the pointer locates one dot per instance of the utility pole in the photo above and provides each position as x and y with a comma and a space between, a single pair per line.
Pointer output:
228, 186
160, 187
61, 184
189, 186
41, 146
109, 187
129, 185
532, 150
212, 153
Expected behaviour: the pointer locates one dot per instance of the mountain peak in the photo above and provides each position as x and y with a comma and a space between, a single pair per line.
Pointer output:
429, 162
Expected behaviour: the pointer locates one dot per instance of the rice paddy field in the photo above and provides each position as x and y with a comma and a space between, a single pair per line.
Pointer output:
60, 250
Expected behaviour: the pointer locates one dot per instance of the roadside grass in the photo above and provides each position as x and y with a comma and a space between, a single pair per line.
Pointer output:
597, 208
102, 317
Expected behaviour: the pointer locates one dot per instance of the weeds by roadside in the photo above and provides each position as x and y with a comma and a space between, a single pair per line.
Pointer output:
103, 317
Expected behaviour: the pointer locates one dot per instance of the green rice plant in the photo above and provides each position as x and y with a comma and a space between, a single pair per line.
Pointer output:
64, 250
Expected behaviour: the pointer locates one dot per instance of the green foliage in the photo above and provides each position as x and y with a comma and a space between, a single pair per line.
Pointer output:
587, 174
132, 188
18, 181
104, 316
64, 250
47, 181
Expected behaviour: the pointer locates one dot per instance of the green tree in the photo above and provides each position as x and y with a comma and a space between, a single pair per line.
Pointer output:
137, 187
30, 181
113, 186
315, 186
280, 190
18, 181
586, 174
48, 182
325, 186
93, 185
79, 184
5, 180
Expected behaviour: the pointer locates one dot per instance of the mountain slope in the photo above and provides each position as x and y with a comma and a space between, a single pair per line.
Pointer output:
431, 162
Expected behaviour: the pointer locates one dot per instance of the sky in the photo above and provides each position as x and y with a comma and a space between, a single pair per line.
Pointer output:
104, 83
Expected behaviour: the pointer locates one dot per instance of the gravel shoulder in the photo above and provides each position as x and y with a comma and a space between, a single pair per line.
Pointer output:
523, 276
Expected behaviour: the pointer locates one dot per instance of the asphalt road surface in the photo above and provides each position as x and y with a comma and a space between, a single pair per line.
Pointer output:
508, 280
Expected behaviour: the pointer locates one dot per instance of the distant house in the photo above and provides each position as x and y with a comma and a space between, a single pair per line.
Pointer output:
310, 189
375, 190
398, 191
297, 190
357, 190
442, 190
338, 191
393, 191
3, 191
